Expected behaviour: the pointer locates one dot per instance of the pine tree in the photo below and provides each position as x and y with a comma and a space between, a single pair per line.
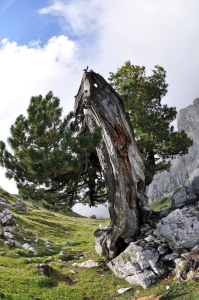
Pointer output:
49, 160
151, 120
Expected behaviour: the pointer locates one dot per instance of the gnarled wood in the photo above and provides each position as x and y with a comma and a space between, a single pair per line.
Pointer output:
121, 161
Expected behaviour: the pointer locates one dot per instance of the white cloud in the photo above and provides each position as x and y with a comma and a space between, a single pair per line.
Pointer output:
28, 71
79, 15
147, 32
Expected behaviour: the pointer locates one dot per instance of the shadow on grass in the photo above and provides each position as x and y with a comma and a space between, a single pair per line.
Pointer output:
56, 277
173, 297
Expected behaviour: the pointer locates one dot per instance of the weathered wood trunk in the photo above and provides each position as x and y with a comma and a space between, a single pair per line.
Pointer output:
121, 161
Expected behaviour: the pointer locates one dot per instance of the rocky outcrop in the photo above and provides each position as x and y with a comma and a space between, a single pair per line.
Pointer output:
182, 167
180, 228
6, 216
159, 247
188, 194
21, 206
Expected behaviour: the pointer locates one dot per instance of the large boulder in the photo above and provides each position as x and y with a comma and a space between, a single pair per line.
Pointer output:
188, 194
180, 228
137, 264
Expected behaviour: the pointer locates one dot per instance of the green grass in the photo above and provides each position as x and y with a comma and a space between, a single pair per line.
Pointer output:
20, 280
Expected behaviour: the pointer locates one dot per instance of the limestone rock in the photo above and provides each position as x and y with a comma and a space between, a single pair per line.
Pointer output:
103, 227
178, 229
30, 248
137, 264
188, 194
8, 235
123, 290
89, 264
184, 167
21, 206
69, 243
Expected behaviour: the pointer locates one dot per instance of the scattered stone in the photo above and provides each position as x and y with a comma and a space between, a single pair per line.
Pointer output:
30, 248
2, 253
17, 244
69, 243
1, 232
8, 235
65, 254
123, 290
89, 264
167, 287
73, 272
16, 255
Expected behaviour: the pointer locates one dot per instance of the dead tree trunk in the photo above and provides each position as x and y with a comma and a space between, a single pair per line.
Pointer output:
121, 161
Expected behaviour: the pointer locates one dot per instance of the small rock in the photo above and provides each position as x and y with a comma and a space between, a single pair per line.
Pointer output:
69, 243
16, 255
167, 287
17, 244
103, 227
162, 250
123, 290
149, 238
66, 254
89, 264
195, 248
8, 235
2, 253
73, 272
170, 256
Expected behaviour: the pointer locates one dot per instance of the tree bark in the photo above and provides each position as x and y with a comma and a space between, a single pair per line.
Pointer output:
121, 161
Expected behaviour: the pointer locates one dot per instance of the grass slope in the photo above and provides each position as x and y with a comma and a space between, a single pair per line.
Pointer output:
20, 279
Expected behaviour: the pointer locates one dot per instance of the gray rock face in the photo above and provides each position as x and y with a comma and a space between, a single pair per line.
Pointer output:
182, 167
6, 216
178, 228
188, 194
137, 264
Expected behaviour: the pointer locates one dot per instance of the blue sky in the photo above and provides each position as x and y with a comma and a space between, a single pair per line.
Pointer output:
21, 22
45, 45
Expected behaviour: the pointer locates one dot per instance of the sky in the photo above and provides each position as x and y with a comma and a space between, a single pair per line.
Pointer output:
45, 45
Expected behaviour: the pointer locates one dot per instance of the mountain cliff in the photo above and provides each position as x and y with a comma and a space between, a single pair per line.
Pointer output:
182, 167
